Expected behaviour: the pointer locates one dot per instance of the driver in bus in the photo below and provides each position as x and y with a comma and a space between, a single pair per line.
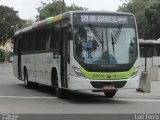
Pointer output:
109, 58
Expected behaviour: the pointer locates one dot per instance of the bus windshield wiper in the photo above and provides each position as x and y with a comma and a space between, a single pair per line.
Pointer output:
115, 37
95, 32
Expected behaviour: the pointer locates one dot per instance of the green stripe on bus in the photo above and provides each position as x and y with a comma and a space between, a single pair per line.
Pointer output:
107, 75
50, 20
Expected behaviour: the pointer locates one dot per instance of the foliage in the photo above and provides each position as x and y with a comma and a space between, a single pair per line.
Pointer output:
73, 7
139, 8
8, 19
55, 8
153, 16
2, 55
27, 23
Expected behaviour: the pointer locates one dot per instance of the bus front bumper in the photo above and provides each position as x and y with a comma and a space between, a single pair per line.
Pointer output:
78, 83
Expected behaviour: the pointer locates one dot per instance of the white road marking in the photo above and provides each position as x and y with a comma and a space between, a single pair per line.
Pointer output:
138, 100
121, 99
23, 97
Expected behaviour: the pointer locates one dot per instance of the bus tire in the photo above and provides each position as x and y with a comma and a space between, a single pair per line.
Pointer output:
27, 84
110, 94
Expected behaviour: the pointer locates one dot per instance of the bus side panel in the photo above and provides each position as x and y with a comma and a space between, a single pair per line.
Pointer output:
44, 65
133, 81
28, 61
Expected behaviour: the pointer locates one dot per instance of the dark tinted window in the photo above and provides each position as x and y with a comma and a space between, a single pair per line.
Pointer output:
24, 44
55, 37
31, 41
15, 45
157, 50
39, 40
47, 38
146, 51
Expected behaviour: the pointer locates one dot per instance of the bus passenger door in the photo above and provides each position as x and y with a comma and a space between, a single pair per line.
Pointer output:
64, 55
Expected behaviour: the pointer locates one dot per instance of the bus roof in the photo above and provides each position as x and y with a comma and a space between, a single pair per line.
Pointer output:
61, 17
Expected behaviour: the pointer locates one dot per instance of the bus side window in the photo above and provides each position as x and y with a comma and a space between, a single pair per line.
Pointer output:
149, 50
15, 45
157, 50
142, 52
26, 43
39, 40
23, 43
146, 51
47, 38
55, 39
32, 41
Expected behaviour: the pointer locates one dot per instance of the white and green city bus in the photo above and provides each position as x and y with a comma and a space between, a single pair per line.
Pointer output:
77, 51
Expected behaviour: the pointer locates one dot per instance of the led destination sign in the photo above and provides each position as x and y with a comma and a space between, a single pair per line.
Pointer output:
104, 19
91, 18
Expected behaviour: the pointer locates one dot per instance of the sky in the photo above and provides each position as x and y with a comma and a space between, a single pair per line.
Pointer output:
27, 8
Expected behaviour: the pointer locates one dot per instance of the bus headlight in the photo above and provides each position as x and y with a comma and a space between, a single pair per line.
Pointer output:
134, 74
78, 72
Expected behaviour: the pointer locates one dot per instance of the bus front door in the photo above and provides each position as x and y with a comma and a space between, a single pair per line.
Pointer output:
64, 56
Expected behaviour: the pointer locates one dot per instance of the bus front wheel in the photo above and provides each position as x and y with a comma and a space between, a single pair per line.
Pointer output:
110, 94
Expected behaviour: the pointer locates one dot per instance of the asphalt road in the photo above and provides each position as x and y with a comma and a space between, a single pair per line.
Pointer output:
14, 98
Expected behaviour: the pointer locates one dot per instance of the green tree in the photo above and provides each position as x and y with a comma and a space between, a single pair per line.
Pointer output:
8, 19
27, 23
153, 16
2, 55
138, 8
55, 8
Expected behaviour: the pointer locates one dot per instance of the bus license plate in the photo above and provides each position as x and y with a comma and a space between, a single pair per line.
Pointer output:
109, 87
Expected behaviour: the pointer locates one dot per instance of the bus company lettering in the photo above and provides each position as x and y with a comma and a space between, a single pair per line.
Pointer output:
105, 76
98, 75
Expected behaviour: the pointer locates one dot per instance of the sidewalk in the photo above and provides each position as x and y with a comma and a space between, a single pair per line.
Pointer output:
132, 94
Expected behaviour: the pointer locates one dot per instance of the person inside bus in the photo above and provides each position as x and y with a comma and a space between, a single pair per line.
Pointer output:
112, 59
109, 58
106, 58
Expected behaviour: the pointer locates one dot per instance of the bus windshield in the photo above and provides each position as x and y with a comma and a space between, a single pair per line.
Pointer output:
105, 45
